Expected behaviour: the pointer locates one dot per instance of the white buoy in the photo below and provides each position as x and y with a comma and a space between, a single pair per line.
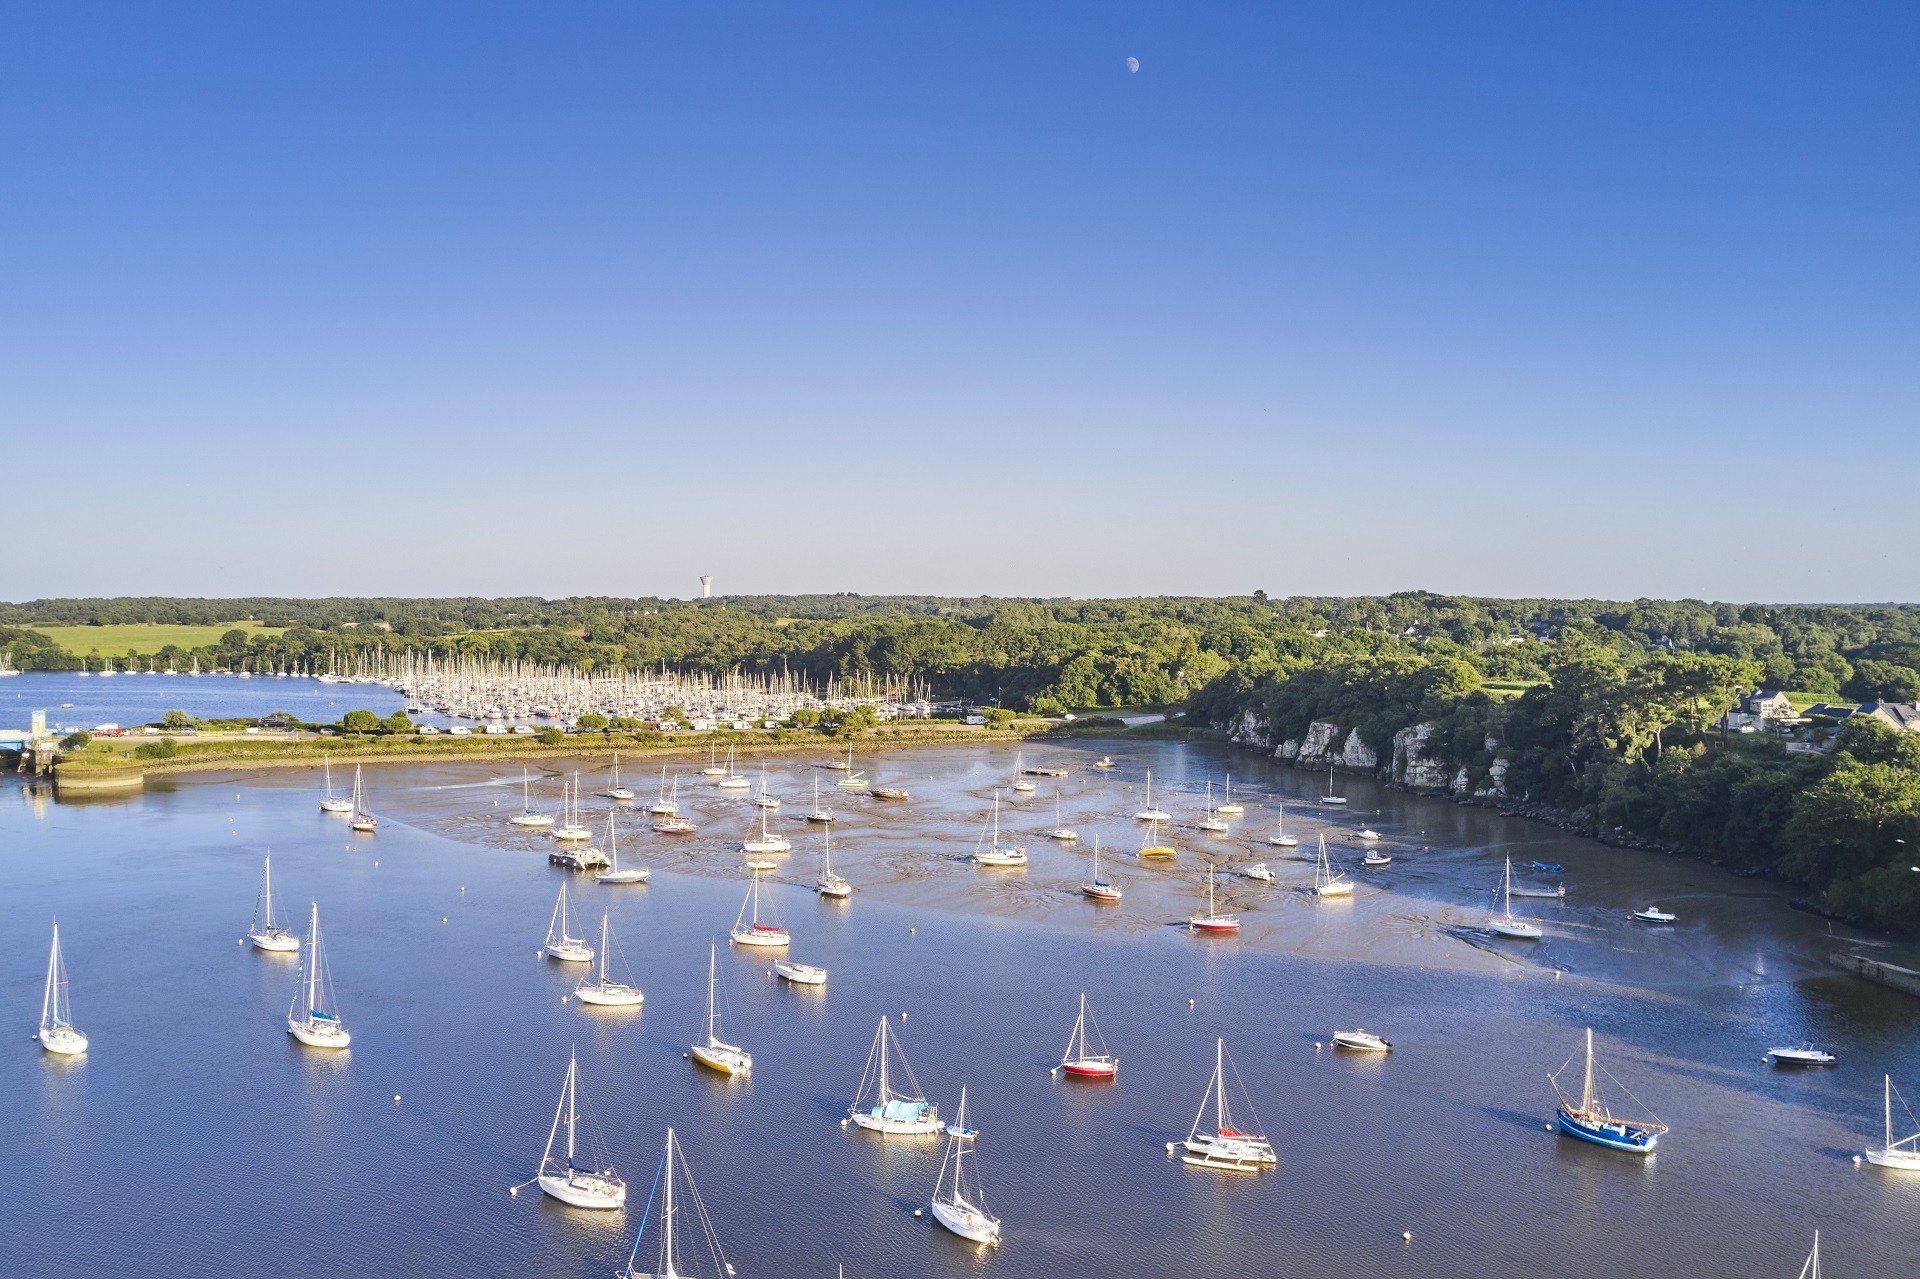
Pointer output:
396, 1099
514, 1191
1169, 1147
1406, 1236
443, 919
685, 1056
912, 931
916, 1212
1546, 1127
1856, 1161
1189, 1003
843, 1123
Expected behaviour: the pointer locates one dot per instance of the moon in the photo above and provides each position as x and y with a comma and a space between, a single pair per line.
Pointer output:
1133, 65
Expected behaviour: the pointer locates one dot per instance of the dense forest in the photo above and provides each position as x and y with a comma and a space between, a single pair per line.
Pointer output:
1601, 709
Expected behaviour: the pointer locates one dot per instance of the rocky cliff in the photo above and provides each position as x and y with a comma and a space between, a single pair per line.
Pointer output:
1416, 762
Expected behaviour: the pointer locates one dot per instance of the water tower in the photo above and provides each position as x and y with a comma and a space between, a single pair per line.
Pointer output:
706, 588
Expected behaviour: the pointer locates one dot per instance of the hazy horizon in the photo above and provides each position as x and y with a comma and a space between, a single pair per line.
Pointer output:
436, 300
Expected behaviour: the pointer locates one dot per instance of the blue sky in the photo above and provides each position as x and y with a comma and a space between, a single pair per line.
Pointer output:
592, 298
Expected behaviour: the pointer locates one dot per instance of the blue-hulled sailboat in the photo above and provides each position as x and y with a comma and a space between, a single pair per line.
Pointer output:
1590, 1120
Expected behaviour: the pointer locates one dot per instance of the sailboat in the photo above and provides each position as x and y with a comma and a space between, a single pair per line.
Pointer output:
613, 874
363, 821
1280, 838
1227, 807
599, 986
1213, 921
667, 819
1330, 797
853, 780
617, 791
1905, 1153
990, 852
1211, 822
767, 841
561, 944
568, 1180
1506, 923
669, 1259
1020, 783
1150, 813
1150, 845
527, 816
1061, 831
1227, 1147
1082, 1058
800, 974
662, 806
314, 1018
712, 1051
57, 1032
957, 1201
570, 827
1328, 882
733, 780
831, 882
879, 1106
763, 798
1592, 1121
1810, 1269
330, 802
819, 814
263, 932
713, 768
747, 928
1096, 888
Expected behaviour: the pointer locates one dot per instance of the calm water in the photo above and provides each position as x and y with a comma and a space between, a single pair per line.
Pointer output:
72, 701
197, 1139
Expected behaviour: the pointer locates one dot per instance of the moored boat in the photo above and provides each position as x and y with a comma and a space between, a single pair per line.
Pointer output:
879, 1104
1086, 1055
1590, 1120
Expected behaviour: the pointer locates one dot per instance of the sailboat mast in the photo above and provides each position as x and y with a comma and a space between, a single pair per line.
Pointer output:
572, 1106
666, 1215
266, 893
49, 1004
712, 978
1586, 1090
313, 960
1888, 1143
1219, 1085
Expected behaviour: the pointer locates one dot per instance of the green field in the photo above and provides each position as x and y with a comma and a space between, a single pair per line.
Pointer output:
141, 637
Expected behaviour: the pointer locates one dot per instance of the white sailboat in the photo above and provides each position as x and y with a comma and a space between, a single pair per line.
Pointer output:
831, 882
363, 821
1330, 797
615, 873
599, 986
1212, 821
263, 932
748, 930
578, 1185
1810, 1268
1328, 882
570, 828
617, 791
958, 1203
800, 974
1213, 921
1227, 1146
854, 780
1150, 813
1280, 838
879, 1105
1506, 923
767, 842
1905, 1153
330, 802
669, 1256
1061, 831
819, 814
1086, 1055
1021, 784
712, 1051
1096, 888
663, 805
1227, 807
733, 780
763, 798
713, 768
57, 1032
314, 1017
527, 816
561, 943
991, 852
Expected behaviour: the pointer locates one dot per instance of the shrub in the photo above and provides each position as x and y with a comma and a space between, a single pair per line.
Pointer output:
551, 737
76, 741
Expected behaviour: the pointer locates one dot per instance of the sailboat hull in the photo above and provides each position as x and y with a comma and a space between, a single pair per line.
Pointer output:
1229, 1154
761, 937
336, 806
1616, 1135
639, 876
1096, 1068
726, 1060
1514, 928
609, 995
530, 819
319, 1036
63, 1041
1213, 924
278, 942
967, 1223
570, 952
897, 1127
1900, 1160
585, 1192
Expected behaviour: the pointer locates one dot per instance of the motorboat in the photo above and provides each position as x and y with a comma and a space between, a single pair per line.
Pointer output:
1361, 1041
800, 974
1374, 857
1259, 871
1654, 915
1805, 1053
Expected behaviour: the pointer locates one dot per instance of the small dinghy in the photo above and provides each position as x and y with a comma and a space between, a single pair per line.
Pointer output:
1361, 1041
1550, 866
1375, 857
1803, 1054
1654, 915
1367, 833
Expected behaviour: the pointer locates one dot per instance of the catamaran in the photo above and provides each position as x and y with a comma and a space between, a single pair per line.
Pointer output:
263, 932
598, 985
764, 799
957, 1201
879, 1106
1020, 783
712, 1051
1086, 1055
314, 1018
747, 928
1061, 831
1150, 813
617, 791
991, 852
1096, 888
363, 821
767, 841
1905, 1153
1280, 838
831, 882
1327, 881
570, 1181
663, 805
614, 874
570, 827
668, 1262
1211, 822
1506, 923
1227, 807
561, 943
733, 780
1590, 1120
1213, 921
1226, 1147
330, 802
57, 1032
819, 814
527, 816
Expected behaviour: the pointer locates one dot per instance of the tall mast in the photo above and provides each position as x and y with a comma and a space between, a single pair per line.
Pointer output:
1888, 1143
1220, 1085
603, 948
266, 893
1586, 1091
572, 1107
712, 978
49, 1006
313, 957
